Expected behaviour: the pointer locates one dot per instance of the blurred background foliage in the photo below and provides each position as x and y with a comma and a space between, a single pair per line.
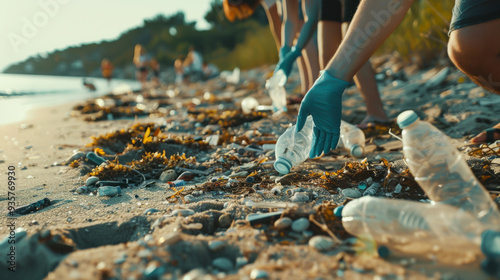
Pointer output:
245, 44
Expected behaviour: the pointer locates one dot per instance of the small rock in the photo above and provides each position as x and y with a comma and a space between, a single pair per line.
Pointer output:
150, 211
351, 193
82, 189
225, 221
193, 226
170, 239
369, 181
182, 212
283, 223
215, 245
154, 271
372, 190
121, 259
222, 264
109, 191
383, 251
189, 198
241, 261
168, 175
299, 197
250, 179
321, 243
398, 188
258, 274
145, 253
300, 225
75, 156
186, 176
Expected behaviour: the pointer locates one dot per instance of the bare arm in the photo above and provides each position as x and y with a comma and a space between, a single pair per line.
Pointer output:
290, 20
374, 21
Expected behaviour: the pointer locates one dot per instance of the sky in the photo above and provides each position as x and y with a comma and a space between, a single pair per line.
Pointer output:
30, 27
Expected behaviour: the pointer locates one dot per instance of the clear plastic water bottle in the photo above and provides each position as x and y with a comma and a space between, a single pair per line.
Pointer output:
441, 171
292, 148
276, 87
396, 221
352, 139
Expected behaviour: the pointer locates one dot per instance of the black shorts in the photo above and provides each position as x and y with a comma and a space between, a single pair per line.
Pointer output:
471, 12
338, 10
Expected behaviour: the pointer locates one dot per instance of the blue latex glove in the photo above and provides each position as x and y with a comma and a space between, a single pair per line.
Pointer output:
286, 63
324, 102
284, 51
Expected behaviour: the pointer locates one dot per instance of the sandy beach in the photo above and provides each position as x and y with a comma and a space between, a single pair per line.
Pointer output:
202, 230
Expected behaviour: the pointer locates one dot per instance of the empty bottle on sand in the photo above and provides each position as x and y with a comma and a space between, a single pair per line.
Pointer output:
292, 148
441, 171
276, 87
352, 139
394, 222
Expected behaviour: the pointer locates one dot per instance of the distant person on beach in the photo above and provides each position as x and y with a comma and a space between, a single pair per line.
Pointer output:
209, 70
155, 66
107, 69
141, 62
474, 47
241, 9
179, 69
193, 64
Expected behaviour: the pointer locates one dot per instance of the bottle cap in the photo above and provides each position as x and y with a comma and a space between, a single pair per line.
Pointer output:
357, 150
406, 118
490, 243
282, 165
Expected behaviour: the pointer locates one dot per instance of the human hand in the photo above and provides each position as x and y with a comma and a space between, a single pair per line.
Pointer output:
287, 61
324, 103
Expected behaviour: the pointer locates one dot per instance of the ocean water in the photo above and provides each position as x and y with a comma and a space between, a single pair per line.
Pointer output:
21, 93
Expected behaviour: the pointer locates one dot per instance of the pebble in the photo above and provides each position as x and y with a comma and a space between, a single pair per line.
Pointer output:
300, 225
215, 245
299, 197
321, 243
383, 251
351, 193
283, 223
186, 176
193, 226
372, 190
258, 274
121, 259
168, 175
182, 212
398, 188
225, 221
195, 274
153, 271
189, 198
250, 179
222, 264
241, 261
91, 181
369, 181
170, 238
82, 189
145, 253
150, 211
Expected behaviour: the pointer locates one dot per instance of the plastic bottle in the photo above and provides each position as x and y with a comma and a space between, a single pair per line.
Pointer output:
276, 87
293, 148
394, 222
109, 191
441, 171
352, 139
248, 104
176, 183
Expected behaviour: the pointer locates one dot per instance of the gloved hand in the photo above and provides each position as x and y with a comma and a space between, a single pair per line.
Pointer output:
286, 63
284, 51
324, 102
